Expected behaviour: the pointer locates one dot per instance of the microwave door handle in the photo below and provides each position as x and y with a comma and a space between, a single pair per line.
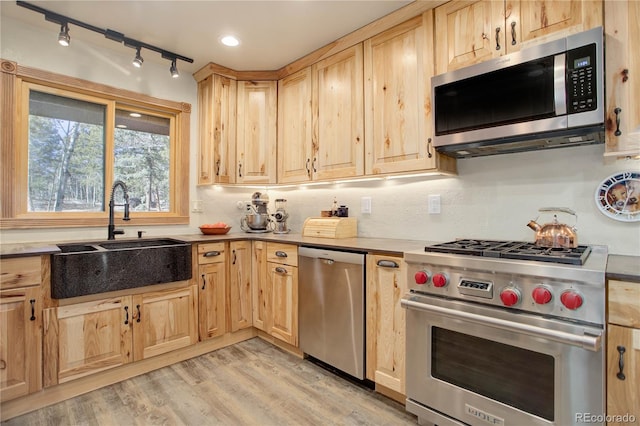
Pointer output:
560, 84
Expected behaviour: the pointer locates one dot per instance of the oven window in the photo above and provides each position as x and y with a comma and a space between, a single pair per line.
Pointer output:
517, 377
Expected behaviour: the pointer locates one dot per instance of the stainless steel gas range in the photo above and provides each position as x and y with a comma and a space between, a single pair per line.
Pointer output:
505, 333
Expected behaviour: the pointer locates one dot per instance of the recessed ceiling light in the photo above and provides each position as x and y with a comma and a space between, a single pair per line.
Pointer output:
229, 41
121, 126
135, 115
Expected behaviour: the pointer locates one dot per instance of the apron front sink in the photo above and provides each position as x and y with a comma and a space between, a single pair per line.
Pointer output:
99, 267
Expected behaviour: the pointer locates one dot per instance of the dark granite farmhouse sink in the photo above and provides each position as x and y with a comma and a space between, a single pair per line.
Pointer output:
98, 267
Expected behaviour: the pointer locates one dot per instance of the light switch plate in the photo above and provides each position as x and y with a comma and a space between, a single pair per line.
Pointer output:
434, 204
365, 205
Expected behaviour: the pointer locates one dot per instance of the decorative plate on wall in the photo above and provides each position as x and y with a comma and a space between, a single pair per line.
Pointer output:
618, 196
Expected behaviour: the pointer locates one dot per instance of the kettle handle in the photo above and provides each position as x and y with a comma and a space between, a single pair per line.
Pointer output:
562, 210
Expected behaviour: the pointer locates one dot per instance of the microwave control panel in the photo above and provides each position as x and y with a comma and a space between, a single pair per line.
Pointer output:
581, 79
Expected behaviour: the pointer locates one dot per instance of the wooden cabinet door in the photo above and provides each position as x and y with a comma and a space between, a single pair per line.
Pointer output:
622, 38
211, 300
541, 21
386, 284
240, 285
465, 33
216, 109
622, 391
256, 132
260, 291
398, 68
283, 285
20, 342
164, 321
338, 115
86, 338
295, 161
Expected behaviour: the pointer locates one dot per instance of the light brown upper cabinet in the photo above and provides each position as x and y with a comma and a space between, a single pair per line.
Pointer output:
622, 35
398, 66
216, 120
469, 32
256, 132
338, 116
295, 151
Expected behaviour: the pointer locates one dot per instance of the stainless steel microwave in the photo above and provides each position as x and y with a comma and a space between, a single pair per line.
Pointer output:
545, 96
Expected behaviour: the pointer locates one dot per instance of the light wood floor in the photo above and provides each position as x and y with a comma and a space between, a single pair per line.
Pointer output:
250, 383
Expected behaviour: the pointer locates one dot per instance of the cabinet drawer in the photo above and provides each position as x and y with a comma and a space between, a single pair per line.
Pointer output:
286, 254
624, 308
210, 253
20, 272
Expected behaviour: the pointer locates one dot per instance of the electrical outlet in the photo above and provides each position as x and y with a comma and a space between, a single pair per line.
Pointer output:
365, 205
434, 204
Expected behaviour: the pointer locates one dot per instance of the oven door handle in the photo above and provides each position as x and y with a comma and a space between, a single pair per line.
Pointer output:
586, 341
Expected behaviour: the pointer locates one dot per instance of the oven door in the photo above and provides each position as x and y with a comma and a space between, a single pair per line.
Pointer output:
484, 365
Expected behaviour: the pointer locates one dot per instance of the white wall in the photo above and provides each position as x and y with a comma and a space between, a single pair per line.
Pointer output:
493, 197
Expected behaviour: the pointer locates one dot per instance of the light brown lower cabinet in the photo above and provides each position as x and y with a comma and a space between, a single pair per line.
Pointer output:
239, 288
623, 353
212, 282
386, 284
20, 342
90, 337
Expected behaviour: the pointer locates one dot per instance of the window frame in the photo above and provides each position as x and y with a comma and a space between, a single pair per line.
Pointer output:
15, 83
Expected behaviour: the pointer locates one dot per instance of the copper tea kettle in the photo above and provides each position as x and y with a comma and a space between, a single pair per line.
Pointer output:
555, 234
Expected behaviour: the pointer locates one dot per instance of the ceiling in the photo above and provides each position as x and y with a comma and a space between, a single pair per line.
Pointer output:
272, 33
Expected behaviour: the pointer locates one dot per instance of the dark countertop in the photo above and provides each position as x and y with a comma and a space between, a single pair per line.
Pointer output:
623, 268
381, 245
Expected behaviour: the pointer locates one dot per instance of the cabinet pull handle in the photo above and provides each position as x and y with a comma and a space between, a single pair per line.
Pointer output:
281, 270
617, 111
240, 170
218, 168
139, 314
204, 281
280, 253
33, 309
388, 264
314, 165
212, 253
497, 38
3, 364
126, 315
307, 166
513, 33
621, 351
429, 154
234, 257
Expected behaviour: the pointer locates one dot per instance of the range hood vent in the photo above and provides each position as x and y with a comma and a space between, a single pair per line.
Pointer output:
523, 143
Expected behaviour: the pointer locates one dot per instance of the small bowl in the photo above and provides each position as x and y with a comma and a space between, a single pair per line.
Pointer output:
215, 231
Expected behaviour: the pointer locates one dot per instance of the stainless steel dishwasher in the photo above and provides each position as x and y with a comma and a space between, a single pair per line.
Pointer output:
331, 308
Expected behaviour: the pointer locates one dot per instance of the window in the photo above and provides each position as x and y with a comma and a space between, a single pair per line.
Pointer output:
69, 143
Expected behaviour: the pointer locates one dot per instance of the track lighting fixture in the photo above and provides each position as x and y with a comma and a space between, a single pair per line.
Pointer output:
174, 69
64, 38
137, 61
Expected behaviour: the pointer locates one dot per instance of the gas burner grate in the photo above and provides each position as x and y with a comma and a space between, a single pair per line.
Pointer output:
513, 250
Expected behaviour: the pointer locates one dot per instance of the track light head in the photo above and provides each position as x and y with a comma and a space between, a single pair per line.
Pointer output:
137, 61
174, 69
64, 38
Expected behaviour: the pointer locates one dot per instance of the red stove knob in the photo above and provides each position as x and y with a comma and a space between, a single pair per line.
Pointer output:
440, 280
510, 296
571, 299
421, 277
541, 295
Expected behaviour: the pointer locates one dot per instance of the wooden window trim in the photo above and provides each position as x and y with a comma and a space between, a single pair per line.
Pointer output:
12, 113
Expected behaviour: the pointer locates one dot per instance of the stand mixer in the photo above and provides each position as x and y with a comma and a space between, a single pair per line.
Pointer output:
280, 217
257, 218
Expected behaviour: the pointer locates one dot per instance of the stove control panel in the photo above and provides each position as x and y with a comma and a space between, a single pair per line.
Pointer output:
544, 295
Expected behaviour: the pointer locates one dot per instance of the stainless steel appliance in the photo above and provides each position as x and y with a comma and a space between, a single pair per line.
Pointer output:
280, 217
257, 218
505, 333
545, 96
331, 308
